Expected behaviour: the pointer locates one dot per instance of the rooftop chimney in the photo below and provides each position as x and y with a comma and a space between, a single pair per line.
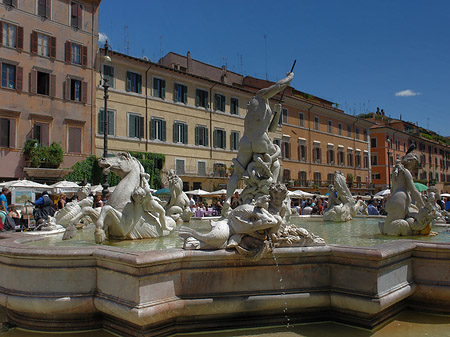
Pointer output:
189, 62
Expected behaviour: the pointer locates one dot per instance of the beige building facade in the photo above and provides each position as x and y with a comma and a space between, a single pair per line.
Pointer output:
46, 92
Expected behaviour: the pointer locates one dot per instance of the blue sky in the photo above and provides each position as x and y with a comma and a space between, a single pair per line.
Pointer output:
361, 54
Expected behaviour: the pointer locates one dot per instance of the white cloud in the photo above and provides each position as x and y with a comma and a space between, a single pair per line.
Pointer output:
102, 37
407, 93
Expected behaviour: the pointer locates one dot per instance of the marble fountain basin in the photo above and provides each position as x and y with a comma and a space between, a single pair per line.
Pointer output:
131, 289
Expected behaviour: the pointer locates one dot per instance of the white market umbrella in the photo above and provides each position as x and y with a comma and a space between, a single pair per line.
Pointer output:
300, 194
65, 187
199, 192
216, 193
445, 195
26, 184
383, 193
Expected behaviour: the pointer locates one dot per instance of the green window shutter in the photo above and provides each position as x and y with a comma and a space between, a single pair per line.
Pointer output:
139, 84
184, 94
152, 128
197, 97
224, 139
232, 141
196, 134
128, 87
185, 134
130, 126
222, 104
216, 102
155, 87
206, 136
141, 123
101, 121
163, 130
205, 103
175, 97
215, 138
175, 132
163, 89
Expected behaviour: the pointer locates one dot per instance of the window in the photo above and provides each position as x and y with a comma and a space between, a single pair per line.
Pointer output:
317, 154
43, 45
349, 130
376, 176
284, 113
340, 129
302, 152
317, 178
219, 102
330, 178
201, 98
302, 178
9, 35
234, 106
43, 83
220, 140
358, 182
76, 53
180, 93
365, 135
74, 90
159, 88
316, 123
330, 127
330, 156
357, 133
158, 129
76, 14
40, 133
285, 149
179, 166
134, 82
397, 144
366, 160
108, 75
277, 142
234, 140
357, 160
7, 132
341, 159
180, 132
8, 76
135, 126
301, 119
219, 169
201, 135
350, 158
201, 170
44, 8
101, 122
74, 141
12, 3
286, 175
373, 142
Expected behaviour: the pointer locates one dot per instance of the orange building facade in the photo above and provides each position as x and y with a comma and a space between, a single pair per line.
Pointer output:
47, 51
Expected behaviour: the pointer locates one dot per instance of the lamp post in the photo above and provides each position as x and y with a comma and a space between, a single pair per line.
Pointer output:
106, 60
389, 159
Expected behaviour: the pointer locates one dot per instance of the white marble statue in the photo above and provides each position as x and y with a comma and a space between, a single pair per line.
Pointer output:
258, 122
403, 218
341, 204
131, 212
178, 206
253, 229
260, 222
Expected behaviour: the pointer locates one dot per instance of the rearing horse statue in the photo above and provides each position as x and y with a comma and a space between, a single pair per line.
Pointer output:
130, 211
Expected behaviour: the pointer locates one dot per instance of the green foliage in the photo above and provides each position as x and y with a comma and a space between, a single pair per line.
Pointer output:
88, 170
43, 156
366, 115
350, 179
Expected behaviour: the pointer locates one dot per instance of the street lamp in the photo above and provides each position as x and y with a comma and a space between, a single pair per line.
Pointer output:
389, 159
106, 60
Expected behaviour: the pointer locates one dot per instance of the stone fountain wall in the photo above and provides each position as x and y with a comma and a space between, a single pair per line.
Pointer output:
163, 292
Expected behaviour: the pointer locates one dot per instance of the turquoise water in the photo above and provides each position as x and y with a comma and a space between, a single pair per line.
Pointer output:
360, 232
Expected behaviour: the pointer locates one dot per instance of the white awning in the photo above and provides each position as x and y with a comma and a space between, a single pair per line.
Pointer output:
316, 142
358, 150
350, 148
301, 139
341, 146
365, 151
286, 136
330, 144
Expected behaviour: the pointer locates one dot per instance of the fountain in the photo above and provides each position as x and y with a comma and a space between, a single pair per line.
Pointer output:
259, 270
